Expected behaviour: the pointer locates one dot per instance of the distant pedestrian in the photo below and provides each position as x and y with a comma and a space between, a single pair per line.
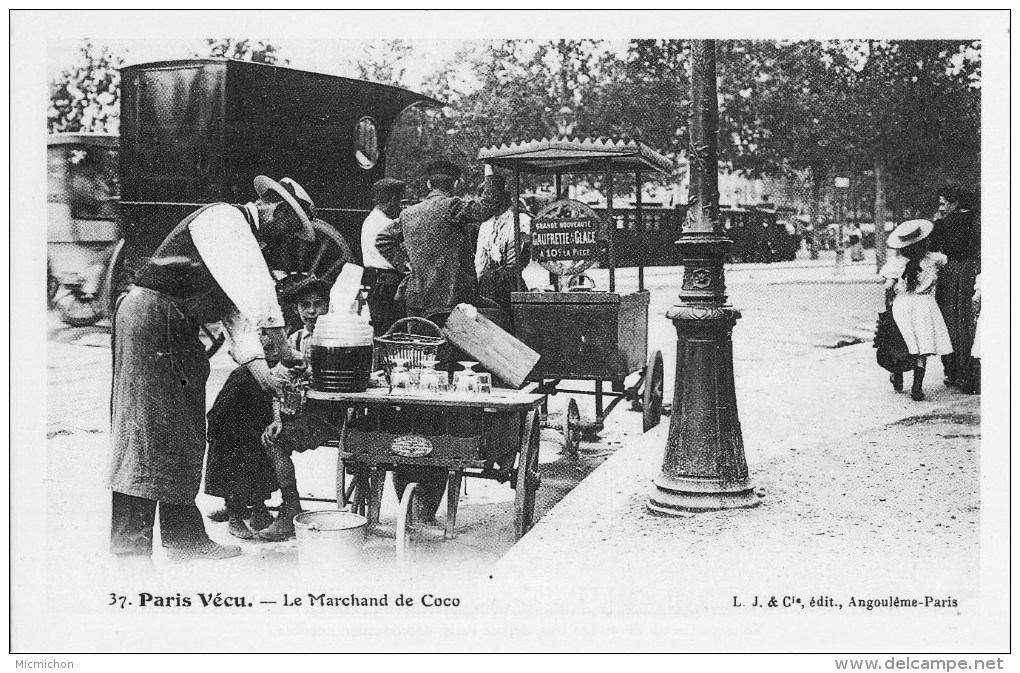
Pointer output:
855, 237
957, 235
911, 280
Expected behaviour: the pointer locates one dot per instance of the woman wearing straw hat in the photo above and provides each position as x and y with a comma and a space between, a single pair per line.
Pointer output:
208, 269
911, 279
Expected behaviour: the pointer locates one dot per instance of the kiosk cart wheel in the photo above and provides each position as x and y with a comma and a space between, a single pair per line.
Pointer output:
408, 517
572, 428
651, 398
528, 478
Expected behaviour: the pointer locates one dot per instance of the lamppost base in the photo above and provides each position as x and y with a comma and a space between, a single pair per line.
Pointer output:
696, 495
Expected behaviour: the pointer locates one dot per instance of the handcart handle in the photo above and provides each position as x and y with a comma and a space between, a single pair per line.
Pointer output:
414, 320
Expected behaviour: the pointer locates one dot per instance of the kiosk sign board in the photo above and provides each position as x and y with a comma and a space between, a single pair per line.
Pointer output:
556, 239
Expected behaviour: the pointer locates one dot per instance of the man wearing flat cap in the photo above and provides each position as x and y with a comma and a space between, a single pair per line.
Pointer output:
210, 268
439, 236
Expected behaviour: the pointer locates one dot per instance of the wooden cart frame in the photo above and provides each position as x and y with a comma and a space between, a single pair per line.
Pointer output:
621, 319
505, 448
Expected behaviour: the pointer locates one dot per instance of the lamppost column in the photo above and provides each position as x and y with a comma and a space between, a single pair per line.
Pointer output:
704, 467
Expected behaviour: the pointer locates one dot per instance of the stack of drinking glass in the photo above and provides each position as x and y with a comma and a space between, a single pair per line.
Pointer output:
427, 380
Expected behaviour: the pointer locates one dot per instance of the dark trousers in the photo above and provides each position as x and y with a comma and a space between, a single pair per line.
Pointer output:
133, 520
382, 302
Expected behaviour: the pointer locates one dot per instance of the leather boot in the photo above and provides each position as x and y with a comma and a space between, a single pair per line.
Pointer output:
952, 376
235, 523
916, 392
283, 527
184, 535
896, 378
260, 517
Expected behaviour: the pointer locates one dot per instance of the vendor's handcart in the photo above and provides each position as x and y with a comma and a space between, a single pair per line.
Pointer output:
581, 333
486, 436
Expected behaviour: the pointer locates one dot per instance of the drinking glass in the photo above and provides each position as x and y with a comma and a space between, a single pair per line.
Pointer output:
483, 383
464, 382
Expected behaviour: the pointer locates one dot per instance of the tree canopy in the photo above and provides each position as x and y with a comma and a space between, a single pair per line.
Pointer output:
809, 110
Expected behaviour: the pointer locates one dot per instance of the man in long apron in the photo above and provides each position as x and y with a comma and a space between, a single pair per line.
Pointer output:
439, 236
208, 269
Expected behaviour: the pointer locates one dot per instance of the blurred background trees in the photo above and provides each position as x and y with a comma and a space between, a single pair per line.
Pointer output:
86, 96
798, 114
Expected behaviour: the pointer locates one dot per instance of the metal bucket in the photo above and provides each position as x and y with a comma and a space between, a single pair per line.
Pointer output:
330, 540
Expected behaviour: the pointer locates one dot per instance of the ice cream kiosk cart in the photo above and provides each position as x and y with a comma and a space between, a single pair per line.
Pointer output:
582, 332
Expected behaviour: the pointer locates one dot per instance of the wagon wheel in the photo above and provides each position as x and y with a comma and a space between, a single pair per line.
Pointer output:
651, 398
572, 428
528, 477
120, 279
408, 517
324, 257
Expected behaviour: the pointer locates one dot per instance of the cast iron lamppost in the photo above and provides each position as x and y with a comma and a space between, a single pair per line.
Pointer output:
564, 119
704, 466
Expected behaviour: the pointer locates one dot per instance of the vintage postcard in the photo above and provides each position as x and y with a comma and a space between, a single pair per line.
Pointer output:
511, 331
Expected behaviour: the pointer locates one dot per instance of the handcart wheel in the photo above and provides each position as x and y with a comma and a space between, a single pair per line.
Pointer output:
407, 518
651, 398
528, 477
572, 428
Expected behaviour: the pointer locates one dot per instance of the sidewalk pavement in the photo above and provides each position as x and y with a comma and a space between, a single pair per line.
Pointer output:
866, 493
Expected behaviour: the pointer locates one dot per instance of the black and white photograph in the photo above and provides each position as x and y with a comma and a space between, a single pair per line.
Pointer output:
511, 331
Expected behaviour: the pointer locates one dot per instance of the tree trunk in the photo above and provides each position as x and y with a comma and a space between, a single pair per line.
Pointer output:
880, 251
816, 227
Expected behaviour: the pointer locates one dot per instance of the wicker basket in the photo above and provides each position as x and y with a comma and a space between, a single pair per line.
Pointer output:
399, 342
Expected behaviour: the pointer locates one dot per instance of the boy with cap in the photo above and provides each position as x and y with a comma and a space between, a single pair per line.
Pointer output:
292, 430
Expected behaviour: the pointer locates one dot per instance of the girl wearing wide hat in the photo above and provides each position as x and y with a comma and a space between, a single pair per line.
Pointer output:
911, 279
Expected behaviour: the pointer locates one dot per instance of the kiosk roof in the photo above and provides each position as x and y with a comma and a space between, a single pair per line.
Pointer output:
575, 155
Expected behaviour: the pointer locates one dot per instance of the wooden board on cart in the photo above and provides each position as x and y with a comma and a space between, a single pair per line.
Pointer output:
496, 349
584, 335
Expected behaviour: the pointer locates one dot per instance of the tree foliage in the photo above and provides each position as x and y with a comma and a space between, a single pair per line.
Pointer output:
837, 107
86, 96
256, 51
384, 61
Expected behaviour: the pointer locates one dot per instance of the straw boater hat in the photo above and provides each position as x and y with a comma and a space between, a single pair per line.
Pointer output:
295, 196
909, 232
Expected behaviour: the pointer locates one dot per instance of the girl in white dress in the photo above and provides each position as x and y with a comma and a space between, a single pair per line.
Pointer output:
911, 277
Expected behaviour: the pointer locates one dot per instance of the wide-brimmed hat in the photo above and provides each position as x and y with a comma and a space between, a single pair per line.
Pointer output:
295, 196
296, 285
909, 232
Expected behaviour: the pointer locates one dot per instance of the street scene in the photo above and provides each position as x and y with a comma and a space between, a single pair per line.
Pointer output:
601, 342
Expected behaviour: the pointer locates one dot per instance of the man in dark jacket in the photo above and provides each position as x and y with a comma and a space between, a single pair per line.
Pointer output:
439, 236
